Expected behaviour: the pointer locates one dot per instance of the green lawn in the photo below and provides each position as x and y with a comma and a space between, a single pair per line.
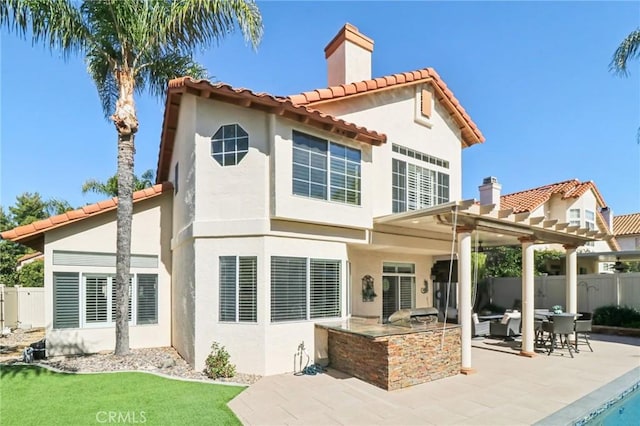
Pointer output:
31, 395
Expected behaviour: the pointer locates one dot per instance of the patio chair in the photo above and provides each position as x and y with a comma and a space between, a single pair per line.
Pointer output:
559, 329
479, 328
583, 328
508, 327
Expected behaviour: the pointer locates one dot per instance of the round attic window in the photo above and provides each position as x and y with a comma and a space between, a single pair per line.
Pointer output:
229, 145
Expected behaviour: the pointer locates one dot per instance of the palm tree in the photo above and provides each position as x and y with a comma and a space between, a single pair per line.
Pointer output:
628, 49
130, 46
110, 186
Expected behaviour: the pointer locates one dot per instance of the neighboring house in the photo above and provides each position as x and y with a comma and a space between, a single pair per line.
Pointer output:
280, 213
626, 228
28, 258
579, 204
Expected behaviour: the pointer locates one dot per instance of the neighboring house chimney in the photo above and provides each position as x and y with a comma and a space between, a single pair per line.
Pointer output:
607, 213
490, 192
348, 57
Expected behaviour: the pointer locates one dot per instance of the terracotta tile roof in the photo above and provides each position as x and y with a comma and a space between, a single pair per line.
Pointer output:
470, 133
29, 256
528, 200
246, 98
21, 234
628, 224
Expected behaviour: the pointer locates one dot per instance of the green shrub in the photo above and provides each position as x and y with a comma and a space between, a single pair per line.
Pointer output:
617, 316
217, 363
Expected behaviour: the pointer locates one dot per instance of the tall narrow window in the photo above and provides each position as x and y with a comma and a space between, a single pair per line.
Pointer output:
112, 283
288, 288
399, 186
147, 306
66, 300
345, 174
96, 294
325, 288
175, 179
574, 217
238, 289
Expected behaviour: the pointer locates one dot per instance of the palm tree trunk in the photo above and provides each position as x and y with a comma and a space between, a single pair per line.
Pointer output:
126, 124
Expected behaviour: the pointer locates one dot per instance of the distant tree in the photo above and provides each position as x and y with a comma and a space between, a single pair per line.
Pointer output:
504, 261
31, 274
110, 187
543, 258
55, 207
130, 46
28, 208
628, 49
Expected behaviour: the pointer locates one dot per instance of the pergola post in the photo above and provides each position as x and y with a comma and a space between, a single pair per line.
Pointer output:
572, 279
528, 329
464, 285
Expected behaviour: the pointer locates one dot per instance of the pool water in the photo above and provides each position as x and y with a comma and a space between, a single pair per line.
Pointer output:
624, 412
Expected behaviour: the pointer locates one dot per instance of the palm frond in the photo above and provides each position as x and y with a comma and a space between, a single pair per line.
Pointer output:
101, 71
58, 23
628, 49
162, 67
189, 24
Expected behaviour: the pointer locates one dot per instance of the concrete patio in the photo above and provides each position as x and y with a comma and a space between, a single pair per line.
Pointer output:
507, 389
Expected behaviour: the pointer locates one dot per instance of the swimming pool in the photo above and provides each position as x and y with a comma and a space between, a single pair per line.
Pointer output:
616, 403
622, 410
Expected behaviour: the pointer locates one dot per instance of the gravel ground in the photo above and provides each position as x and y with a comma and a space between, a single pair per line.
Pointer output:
159, 360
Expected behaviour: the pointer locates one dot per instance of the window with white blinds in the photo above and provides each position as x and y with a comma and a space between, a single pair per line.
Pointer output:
238, 289
415, 187
303, 288
319, 164
147, 306
324, 279
407, 285
66, 302
288, 288
94, 302
96, 298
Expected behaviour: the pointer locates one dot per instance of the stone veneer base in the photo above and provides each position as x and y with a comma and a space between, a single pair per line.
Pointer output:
397, 361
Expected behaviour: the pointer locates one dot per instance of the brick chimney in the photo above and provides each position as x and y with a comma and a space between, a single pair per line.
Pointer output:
490, 192
348, 56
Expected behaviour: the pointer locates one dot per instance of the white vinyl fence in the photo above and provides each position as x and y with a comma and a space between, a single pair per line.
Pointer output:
593, 291
21, 307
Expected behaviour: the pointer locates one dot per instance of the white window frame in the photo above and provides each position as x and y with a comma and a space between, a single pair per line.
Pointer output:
111, 281
420, 191
574, 217
307, 316
329, 185
237, 291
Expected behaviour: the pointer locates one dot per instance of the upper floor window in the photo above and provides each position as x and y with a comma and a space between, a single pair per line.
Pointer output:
415, 187
326, 170
590, 219
574, 217
229, 145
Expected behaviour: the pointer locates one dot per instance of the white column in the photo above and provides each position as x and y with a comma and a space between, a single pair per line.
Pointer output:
572, 279
464, 286
528, 330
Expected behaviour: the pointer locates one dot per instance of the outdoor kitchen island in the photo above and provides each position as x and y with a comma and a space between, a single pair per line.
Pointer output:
390, 356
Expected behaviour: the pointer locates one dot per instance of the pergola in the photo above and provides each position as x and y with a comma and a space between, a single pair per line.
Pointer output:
458, 221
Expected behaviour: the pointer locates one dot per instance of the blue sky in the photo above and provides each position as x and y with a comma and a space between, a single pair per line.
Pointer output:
533, 76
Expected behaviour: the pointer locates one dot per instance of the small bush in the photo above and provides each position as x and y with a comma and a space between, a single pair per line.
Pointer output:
617, 316
217, 363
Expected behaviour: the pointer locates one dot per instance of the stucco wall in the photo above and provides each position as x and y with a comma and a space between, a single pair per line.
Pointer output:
263, 347
295, 207
393, 112
628, 243
151, 230
369, 262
